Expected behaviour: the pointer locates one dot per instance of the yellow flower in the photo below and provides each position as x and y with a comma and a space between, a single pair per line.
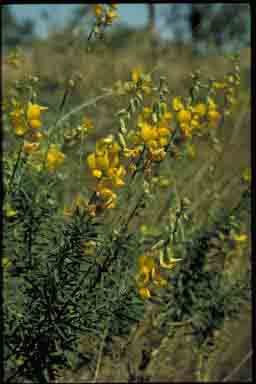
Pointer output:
110, 204
214, 117
34, 111
102, 160
218, 85
87, 124
35, 124
98, 161
131, 152
211, 104
144, 293
177, 104
105, 193
195, 124
110, 16
108, 197
136, 74
148, 132
200, 109
152, 144
240, 238
167, 116
146, 266
157, 154
186, 130
163, 132
97, 173
34, 115
146, 261
142, 278
163, 141
98, 9
18, 121
30, 147
146, 113
172, 262
118, 182
146, 83
91, 161
184, 116
54, 158
20, 130
9, 211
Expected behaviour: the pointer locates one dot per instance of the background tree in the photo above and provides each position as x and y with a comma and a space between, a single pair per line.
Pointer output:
14, 32
213, 26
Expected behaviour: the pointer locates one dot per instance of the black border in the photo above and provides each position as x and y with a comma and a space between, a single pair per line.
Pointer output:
253, 167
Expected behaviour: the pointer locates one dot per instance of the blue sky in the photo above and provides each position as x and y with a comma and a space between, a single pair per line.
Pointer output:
132, 14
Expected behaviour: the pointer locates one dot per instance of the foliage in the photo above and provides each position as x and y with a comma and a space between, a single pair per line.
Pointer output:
14, 32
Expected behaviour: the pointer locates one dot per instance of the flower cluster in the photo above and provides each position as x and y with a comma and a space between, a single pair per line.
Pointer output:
104, 17
139, 84
26, 124
149, 273
155, 135
105, 166
55, 157
159, 129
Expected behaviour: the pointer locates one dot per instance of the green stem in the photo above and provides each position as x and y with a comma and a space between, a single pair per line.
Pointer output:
15, 167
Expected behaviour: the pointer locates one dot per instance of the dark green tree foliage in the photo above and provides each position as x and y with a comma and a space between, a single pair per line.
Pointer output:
14, 32
212, 26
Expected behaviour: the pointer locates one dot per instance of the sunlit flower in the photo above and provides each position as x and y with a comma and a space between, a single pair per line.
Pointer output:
18, 121
240, 238
29, 148
136, 74
148, 132
171, 262
144, 293
54, 158
34, 111
214, 118
177, 105
200, 109
184, 116
9, 211
98, 9
110, 16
